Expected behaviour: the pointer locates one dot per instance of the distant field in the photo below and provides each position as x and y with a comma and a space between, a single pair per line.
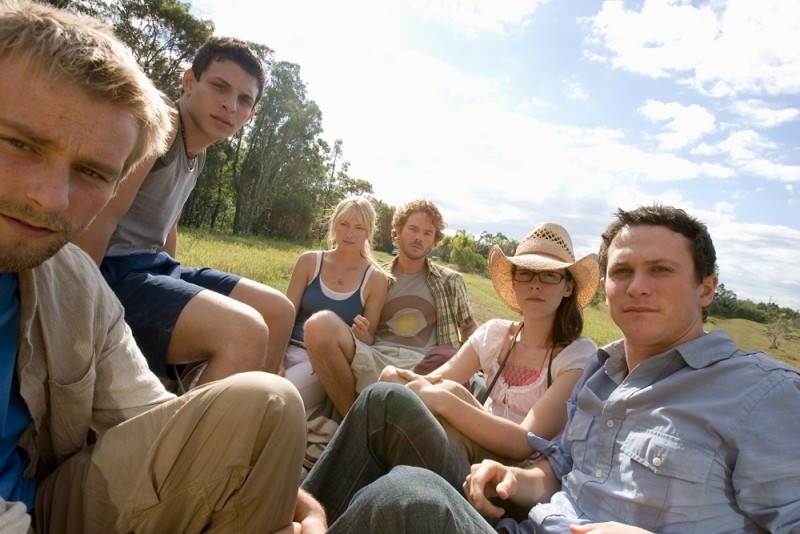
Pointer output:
271, 262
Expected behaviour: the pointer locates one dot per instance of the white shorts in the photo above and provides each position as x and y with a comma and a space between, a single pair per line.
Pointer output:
369, 361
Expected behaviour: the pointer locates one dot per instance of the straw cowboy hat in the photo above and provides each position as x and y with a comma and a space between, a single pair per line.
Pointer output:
547, 247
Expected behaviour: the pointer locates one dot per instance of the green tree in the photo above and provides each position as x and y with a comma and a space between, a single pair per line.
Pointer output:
777, 330
281, 148
725, 302
383, 226
162, 34
487, 240
464, 253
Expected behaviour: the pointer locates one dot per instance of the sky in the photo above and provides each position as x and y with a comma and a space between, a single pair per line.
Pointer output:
513, 112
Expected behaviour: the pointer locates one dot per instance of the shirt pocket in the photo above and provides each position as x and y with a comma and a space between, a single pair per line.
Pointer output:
577, 435
71, 409
669, 477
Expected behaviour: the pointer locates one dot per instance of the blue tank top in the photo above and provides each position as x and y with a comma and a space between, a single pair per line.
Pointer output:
319, 297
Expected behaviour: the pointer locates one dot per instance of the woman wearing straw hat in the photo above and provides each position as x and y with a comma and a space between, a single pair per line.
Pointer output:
434, 422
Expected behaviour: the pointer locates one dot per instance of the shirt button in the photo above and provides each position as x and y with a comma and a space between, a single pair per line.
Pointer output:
598, 474
657, 461
610, 424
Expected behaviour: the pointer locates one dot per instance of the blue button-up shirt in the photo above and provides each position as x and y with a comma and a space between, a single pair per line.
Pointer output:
701, 439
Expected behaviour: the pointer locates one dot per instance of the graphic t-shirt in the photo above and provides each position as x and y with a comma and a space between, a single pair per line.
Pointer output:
408, 318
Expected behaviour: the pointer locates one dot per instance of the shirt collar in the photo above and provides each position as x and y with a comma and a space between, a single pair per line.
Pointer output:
706, 350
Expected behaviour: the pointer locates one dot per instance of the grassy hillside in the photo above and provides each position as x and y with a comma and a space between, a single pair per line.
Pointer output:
271, 262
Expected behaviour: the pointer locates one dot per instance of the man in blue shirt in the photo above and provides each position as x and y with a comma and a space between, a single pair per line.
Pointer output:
671, 429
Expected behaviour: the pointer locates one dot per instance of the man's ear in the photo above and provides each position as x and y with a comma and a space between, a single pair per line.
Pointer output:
709, 287
252, 113
188, 81
603, 287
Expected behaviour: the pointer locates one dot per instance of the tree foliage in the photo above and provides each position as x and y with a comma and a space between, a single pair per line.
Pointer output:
282, 148
162, 34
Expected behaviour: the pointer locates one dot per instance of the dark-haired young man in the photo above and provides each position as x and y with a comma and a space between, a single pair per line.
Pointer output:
183, 315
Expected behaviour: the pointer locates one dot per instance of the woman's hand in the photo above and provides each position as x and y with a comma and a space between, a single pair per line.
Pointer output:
360, 329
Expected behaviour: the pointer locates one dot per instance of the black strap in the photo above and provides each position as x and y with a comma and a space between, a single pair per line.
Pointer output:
485, 396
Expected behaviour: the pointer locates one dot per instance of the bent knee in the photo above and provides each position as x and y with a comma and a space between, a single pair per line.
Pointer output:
324, 327
256, 390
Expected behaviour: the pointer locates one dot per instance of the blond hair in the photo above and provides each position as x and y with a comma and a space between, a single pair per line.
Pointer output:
86, 52
363, 211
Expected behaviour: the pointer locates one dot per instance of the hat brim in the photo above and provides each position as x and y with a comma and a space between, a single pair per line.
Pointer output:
585, 273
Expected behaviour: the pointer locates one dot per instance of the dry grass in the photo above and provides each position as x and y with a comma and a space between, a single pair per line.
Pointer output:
271, 262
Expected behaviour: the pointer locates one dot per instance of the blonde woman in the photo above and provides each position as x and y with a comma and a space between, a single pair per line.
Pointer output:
345, 279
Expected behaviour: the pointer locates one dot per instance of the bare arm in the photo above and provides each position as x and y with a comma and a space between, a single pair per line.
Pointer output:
546, 418
374, 298
301, 276
459, 368
465, 331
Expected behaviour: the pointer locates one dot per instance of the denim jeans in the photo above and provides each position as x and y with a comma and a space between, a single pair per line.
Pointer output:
387, 426
410, 500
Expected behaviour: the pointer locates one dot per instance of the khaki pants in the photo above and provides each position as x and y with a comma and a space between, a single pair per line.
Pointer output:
225, 457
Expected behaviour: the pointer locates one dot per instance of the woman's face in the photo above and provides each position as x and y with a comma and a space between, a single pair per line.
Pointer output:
537, 298
350, 233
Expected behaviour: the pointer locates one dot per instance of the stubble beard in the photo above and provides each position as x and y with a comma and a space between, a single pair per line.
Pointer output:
22, 254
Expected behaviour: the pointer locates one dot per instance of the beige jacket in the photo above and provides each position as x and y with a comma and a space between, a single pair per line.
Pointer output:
79, 369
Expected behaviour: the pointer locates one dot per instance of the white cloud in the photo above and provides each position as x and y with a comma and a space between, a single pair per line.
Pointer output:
686, 124
472, 17
574, 91
663, 38
727, 48
761, 115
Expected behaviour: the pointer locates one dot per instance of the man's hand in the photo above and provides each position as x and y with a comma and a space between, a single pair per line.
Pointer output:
309, 516
486, 480
607, 528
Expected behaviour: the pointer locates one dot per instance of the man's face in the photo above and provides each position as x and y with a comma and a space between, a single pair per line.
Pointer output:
221, 100
416, 238
651, 289
62, 153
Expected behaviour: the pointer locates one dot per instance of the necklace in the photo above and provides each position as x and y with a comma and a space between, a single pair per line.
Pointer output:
190, 160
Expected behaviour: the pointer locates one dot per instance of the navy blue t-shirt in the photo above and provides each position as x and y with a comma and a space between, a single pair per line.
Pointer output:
14, 415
